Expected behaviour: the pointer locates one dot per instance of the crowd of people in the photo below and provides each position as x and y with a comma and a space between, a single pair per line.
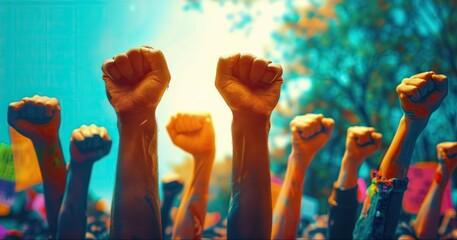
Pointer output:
135, 82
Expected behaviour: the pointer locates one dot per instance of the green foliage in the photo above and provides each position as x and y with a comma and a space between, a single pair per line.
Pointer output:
355, 53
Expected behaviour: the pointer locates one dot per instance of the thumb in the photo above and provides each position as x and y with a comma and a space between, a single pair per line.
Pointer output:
156, 60
13, 111
328, 124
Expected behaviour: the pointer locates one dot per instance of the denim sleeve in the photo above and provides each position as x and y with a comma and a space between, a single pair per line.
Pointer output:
381, 209
342, 213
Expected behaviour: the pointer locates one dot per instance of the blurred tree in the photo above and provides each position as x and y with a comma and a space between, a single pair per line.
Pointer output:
344, 59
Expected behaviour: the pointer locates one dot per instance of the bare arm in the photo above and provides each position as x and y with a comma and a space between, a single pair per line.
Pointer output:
38, 118
420, 96
428, 218
135, 83
194, 134
309, 134
250, 86
88, 144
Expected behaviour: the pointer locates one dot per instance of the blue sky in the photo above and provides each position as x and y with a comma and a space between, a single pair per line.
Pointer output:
55, 48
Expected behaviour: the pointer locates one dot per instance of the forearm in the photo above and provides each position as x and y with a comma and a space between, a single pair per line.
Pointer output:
136, 188
72, 218
395, 163
348, 175
428, 218
286, 215
250, 207
192, 210
53, 172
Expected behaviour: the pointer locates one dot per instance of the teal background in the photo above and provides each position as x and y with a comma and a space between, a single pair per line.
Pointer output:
55, 48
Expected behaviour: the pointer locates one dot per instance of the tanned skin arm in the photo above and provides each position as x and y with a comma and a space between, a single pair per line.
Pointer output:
87, 145
250, 86
135, 83
194, 133
38, 118
309, 134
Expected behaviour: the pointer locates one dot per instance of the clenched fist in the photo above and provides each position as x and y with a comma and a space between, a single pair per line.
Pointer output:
422, 94
89, 144
192, 132
37, 118
362, 142
447, 152
136, 80
248, 84
310, 132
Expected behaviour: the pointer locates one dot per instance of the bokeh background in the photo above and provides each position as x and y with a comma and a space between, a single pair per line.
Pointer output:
340, 58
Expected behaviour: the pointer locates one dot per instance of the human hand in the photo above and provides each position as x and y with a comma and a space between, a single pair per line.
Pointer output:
248, 84
447, 154
192, 132
172, 185
37, 118
89, 143
135, 81
421, 94
362, 142
310, 132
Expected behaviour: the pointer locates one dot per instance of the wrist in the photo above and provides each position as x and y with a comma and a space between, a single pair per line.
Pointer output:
300, 160
250, 117
80, 165
351, 161
204, 156
136, 117
48, 140
418, 124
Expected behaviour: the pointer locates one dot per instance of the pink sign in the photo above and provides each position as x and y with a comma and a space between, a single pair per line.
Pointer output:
420, 177
362, 190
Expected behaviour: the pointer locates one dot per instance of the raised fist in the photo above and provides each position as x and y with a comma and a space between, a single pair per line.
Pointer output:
192, 132
362, 142
172, 185
310, 132
447, 152
422, 94
37, 118
249, 85
89, 144
136, 80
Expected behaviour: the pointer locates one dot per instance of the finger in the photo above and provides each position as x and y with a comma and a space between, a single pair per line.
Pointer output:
420, 83
363, 139
136, 61
408, 91
272, 73
245, 64
156, 61
52, 107
376, 137
171, 127
424, 75
225, 67
106, 146
440, 83
76, 135
328, 124
123, 66
104, 134
14, 111
28, 111
258, 69
109, 68
96, 141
